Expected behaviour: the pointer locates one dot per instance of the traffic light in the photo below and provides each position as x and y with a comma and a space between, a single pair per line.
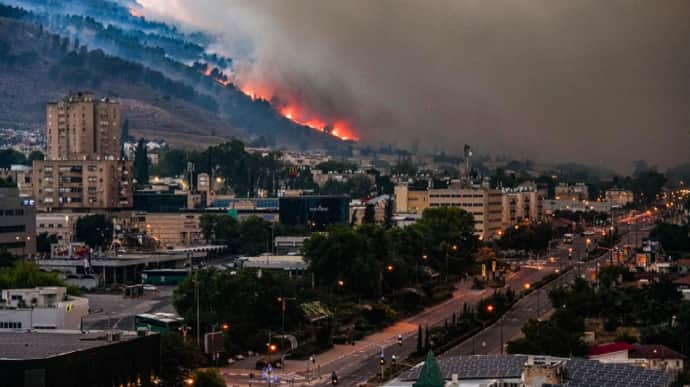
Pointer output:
400, 340
382, 359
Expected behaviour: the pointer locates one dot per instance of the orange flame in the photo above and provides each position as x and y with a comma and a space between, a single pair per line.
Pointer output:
134, 12
292, 111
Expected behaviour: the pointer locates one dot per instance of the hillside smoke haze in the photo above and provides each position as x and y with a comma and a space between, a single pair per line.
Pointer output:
601, 82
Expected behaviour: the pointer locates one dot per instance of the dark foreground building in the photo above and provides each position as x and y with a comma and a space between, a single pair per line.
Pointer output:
32, 359
316, 212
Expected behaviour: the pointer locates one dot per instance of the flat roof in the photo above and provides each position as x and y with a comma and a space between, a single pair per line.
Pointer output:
30, 345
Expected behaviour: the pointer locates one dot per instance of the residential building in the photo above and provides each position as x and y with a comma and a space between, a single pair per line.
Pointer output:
651, 356
619, 197
78, 184
521, 203
41, 308
81, 126
358, 208
76, 358
172, 229
20, 175
410, 201
82, 169
60, 224
485, 204
17, 223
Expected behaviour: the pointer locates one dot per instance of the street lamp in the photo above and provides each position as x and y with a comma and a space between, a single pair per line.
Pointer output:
490, 309
527, 286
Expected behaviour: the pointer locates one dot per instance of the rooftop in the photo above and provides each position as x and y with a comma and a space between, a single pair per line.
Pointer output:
610, 348
580, 372
27, 345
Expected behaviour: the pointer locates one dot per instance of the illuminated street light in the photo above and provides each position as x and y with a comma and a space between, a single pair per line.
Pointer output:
528, 286
489, 308
389, 268
341, 283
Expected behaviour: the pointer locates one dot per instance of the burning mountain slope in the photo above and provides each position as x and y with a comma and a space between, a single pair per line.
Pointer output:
33, 71
110, 27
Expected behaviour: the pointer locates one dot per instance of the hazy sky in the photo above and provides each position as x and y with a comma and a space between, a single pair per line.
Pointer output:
605, 82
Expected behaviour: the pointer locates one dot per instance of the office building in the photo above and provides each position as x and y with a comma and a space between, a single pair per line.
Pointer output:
41, 308
82, 169
619, 197
17, 223
316, 212
75, 358
484, 204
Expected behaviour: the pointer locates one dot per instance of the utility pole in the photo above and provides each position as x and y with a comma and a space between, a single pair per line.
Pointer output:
196, 295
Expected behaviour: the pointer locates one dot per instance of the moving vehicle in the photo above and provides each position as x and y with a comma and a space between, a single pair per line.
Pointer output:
158, 322
164, 276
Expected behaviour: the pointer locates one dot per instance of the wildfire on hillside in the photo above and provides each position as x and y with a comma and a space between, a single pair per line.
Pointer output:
134, 12
293, 111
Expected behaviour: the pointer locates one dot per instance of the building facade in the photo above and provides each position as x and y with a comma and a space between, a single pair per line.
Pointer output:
485, 205
619, 197
81, 126
74, 184
41, 308
17, 223
82, 168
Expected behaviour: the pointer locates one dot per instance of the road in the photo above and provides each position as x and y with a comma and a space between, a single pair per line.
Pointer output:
535, 305
357, 363
116, 311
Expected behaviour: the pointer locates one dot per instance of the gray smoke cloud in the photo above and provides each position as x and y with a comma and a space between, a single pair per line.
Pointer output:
604, 82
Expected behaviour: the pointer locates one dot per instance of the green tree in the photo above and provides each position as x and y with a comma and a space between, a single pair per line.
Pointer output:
7, 259
388, 214
178, 359
43, 242
8, 157
35, 155
94, 230
255, 236
173, 162
141, 163
369, 214
24, 274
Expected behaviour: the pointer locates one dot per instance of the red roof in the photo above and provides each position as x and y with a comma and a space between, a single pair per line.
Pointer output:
610, 348
654, 351
682, 280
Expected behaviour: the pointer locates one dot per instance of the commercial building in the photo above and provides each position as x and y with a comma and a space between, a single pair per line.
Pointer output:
41, 308
316, 212
485, 204
527, 371
579, 191
82, 167
75, 358
20, 175
17, 223
288, 244
619, 197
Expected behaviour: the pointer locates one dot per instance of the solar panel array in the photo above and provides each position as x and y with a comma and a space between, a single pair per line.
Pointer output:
590, 373
477, 367
580, 372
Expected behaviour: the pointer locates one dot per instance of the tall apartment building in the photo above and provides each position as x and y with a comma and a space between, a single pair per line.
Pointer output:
82, 169
17, 223
80, 126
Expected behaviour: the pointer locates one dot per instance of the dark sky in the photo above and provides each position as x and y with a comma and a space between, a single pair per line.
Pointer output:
605, 82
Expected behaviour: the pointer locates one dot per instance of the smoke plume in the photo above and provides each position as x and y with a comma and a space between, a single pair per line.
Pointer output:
605, 82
